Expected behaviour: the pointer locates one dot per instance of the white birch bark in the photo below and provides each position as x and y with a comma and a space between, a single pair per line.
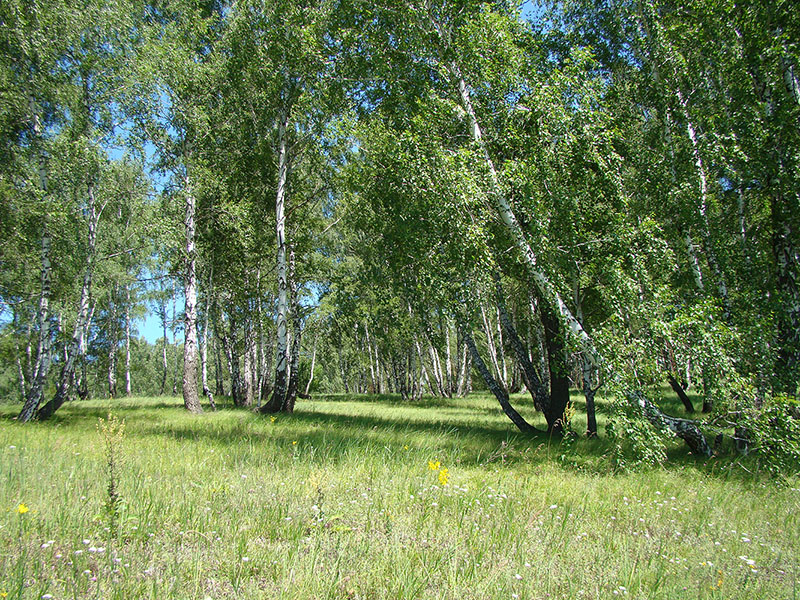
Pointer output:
705, 228
694, 263
686, 430
128, 390
282, 347
492, 350
530, 262
313, 363
77, 341
190, 397
41, 367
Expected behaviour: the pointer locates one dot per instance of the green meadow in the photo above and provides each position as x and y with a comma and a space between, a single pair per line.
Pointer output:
361, 498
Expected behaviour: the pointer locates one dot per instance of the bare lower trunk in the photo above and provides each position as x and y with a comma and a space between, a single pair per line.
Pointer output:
311, 373
204, 353
493, 351
294, 376
41, 367
164, 364
282, 351
175, 337
588, 371
128, 391
448, 384
230, 344
219, 384
21, 378
191, 400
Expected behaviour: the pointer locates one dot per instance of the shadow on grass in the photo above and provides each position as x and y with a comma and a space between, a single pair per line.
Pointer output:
327, 424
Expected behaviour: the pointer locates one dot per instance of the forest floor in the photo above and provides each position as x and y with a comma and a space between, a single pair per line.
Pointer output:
372, 498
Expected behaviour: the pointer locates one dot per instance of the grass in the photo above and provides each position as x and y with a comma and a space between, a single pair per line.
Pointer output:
338, 501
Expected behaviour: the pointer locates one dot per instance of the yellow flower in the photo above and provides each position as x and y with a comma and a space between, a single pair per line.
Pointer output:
434, 466
3, 594
405, 447
22, 509
273, 419
294, 443
444, 475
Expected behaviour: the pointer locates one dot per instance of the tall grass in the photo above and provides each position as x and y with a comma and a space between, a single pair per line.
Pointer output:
339, 501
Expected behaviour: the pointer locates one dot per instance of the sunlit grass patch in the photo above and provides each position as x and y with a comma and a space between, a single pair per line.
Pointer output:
346, 499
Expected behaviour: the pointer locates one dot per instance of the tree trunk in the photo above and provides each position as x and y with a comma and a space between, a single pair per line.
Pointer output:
705, 228
231, 344
112, 343
81, 321
282, 351
311, 374
588, 371
496, 389
164, 362
204, 352
42, 366
678, 389
128, 391
541, 398
191, 400
219, 384
297, 331
175, 336
687, 430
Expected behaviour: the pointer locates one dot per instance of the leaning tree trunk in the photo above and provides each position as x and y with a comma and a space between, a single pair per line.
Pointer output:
541, 398
282, 351
687, 430
306, 393
499, 391
81, 321
191, 399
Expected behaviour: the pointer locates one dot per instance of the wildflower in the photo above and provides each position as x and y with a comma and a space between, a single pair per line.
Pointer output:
294, 443
444, 475
405, 447
22, 509
517, 576
434, 466
273, 419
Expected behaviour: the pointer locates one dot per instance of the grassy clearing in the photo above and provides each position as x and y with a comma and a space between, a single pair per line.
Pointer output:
339, 501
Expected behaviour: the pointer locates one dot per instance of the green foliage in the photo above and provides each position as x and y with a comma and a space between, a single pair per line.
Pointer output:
774, 430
